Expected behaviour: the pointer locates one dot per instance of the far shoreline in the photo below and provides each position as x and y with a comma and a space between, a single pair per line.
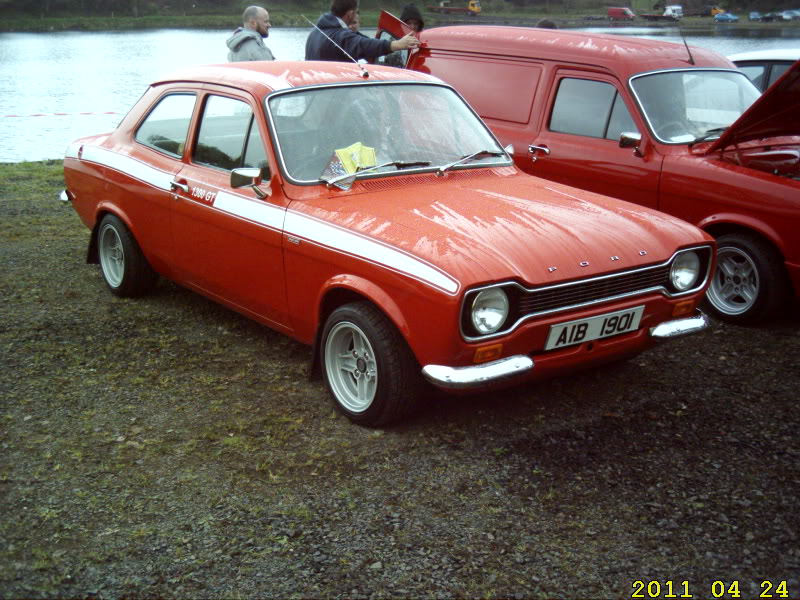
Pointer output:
369, 20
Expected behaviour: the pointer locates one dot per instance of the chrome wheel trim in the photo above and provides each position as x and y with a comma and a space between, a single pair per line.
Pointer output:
735, 286
112, 255
351, 367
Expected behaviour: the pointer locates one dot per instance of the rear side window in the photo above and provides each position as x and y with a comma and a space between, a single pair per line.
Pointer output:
498, 90
590, 108
166, 126
224, 129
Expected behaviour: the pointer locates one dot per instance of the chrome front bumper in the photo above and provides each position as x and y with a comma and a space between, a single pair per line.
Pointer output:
678, 327
473, 376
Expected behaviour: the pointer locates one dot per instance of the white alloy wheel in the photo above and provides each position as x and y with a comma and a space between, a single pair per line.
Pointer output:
735, 286
351, 367
112, 255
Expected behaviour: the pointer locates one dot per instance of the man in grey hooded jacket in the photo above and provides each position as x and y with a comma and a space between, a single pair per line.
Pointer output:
247, 42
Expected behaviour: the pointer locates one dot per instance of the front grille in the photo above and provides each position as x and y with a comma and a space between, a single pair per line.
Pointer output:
549, 299
526, 303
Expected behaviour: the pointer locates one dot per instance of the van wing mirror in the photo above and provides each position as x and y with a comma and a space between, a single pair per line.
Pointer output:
252, 178
631, 139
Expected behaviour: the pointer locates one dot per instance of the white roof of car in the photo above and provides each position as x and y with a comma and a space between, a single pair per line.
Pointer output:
786, 54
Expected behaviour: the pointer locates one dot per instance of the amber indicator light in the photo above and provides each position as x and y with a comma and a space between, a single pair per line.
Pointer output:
682, 308
487, 353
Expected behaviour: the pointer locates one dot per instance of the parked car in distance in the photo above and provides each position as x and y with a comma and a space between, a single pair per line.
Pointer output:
726, 17
765, 67
368, 212
754, 16
652, 122
775, 16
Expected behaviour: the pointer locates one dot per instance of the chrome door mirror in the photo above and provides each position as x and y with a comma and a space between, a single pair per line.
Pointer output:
251, 178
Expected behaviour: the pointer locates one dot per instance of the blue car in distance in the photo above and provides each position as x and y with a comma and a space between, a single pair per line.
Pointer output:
725, 18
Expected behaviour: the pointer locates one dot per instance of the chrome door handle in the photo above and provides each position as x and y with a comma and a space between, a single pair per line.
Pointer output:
532, 150
175, 186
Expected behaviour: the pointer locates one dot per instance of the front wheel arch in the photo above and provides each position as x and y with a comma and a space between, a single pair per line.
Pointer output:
371, 374
750, 284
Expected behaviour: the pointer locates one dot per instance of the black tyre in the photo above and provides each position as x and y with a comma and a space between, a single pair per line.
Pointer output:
124, 267
749, 284
370, 372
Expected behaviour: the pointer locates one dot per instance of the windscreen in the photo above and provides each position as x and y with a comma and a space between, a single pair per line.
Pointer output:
684, 106
415, 125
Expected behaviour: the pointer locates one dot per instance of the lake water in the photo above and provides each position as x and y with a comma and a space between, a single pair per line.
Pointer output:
57, 87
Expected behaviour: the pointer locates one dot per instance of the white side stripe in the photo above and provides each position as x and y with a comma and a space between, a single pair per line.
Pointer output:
129, 166
365, 248
253, 210
296, 224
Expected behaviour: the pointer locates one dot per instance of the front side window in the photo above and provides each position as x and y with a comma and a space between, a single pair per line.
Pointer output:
166, 126
224, 128
417, 126
590, 108
685, 106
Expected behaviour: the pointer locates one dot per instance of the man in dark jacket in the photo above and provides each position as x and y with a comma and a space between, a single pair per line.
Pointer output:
335, 25
247, 42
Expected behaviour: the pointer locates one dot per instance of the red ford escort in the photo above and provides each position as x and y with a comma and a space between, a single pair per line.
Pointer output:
371, 214
663, 125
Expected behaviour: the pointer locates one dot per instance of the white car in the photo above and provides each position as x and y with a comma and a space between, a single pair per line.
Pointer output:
764, 67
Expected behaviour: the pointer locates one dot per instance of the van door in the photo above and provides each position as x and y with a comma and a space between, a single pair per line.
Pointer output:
580, 127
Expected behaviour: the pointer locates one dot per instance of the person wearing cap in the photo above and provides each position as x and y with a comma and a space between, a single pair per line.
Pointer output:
412, 17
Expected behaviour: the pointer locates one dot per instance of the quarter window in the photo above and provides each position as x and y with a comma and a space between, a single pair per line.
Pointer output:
166, 126
224, 129
590, 108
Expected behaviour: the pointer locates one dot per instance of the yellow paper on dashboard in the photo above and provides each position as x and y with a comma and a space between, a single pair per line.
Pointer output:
356, 156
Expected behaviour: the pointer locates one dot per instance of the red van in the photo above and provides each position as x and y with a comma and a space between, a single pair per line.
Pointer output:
665, 125
616, 13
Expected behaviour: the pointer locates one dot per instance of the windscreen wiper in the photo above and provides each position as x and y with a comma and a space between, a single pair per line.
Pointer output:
398, 164
708, 134
441, 170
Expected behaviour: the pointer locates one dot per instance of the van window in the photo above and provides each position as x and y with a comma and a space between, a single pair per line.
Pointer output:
590, 108
508, 95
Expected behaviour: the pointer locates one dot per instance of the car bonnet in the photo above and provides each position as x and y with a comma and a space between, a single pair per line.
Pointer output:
774, 114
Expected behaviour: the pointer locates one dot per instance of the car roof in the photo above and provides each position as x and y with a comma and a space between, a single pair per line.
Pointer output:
624, 55
262, 77
777, 54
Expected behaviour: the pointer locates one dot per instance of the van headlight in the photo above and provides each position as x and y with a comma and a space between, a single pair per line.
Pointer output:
489, 310
684, 271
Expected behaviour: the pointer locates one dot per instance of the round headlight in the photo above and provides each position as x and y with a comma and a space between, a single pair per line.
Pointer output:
685, 271
489, 310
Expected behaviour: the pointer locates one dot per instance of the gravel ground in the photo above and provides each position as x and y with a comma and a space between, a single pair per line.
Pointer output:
169, 447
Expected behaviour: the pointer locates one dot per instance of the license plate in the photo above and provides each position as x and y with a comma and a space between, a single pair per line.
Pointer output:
593, 328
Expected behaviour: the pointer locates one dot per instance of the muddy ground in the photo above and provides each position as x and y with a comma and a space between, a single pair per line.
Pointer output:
169, 447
